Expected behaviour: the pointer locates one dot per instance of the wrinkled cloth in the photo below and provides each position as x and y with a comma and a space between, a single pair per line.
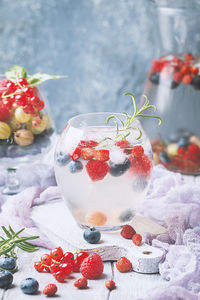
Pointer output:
172, 201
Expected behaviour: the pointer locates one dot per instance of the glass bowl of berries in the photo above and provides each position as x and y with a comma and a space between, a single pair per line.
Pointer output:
103, 165
26, 129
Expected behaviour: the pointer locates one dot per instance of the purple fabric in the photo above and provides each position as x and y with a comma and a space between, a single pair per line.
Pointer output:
171, 201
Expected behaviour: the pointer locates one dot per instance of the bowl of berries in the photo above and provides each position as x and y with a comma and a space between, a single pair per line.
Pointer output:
26, 129
103, 165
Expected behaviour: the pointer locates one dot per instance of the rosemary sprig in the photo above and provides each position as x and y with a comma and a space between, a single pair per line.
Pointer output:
137, 114
13, 240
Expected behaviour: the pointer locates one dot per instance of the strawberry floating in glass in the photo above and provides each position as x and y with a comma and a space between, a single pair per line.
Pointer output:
26, 129
107, 169
173, 85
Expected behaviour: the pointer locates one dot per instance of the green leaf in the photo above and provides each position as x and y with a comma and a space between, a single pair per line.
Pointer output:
38, 78
16, 72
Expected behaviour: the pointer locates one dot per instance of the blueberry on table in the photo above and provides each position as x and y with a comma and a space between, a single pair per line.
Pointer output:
183, 142
8, 263
6, 279
92, 235
163, 156
75, 166
29, 286
62, 159
155, 77
119, 169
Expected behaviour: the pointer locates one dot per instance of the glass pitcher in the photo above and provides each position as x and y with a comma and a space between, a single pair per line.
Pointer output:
173, 85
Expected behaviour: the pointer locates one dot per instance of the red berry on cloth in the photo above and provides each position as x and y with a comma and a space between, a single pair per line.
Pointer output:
110, 284
87, 153
4, 112
127, 232
138, 151
123, 265
57, 254
92, 266
50, 289
97, 170
137, 239
81, 283
102, 155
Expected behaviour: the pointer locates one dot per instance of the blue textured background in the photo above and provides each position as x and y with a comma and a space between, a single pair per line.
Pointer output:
104, 46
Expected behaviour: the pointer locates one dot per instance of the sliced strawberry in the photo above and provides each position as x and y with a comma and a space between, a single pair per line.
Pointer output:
96, 169
76, 153
88, 144
87, 153
102, 155
122, 144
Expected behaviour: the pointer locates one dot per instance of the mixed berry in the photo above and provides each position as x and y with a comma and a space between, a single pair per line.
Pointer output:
172, 71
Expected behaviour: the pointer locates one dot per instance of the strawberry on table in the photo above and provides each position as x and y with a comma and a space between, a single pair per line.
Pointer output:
123, 265
96, 169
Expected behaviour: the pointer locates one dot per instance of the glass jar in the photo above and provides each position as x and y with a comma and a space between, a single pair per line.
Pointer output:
173, 85
101, 177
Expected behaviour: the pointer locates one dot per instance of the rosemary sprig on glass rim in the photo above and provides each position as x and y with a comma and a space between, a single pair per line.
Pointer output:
122, 126
13, 240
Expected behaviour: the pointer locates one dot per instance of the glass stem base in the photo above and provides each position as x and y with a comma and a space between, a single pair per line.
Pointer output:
12, 185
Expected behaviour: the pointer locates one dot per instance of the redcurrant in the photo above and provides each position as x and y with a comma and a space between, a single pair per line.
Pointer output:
57, 254
28, 91
7, 103
47, 269
55, 267
46, 259
21, 99
28, 109
81, 256
68, 257
66, 268
60, 276
11, 87
38, 266
22, 81
40, 105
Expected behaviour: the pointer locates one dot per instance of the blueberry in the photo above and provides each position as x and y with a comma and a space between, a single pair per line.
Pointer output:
6, 279
29, 286
183, 142
126, 215
164, 157
140, 183
8, 263
92, 235
75, 166
119, 169
155, 77
62, 159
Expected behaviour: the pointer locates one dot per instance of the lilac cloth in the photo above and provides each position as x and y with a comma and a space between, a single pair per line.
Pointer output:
171, 201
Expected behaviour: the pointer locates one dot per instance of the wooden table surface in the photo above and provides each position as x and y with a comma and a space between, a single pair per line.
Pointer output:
129, 286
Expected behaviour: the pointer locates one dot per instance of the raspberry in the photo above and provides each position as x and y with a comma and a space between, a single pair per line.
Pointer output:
92, 266
81, 283
194, 70
110, 284
123, 265
140, 165
50, 289
192, 148
122, 144
181, 150
187, 79
4, 112
177, 77
127, 232
185, 69
96, 169
102, 155
138, 151
76, 153
87, 153
137, 238
86, 144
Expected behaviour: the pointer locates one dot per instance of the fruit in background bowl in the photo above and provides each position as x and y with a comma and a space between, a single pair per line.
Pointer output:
103, 167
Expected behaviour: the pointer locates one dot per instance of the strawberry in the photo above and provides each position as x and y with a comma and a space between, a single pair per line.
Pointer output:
138, 151
137, 238
127, 232
102, 155
87, 153
140, 165
50, 289
123, 265
92, 266
96, 169
122, 144
110, 284
87, 144
76, 153
81, 283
